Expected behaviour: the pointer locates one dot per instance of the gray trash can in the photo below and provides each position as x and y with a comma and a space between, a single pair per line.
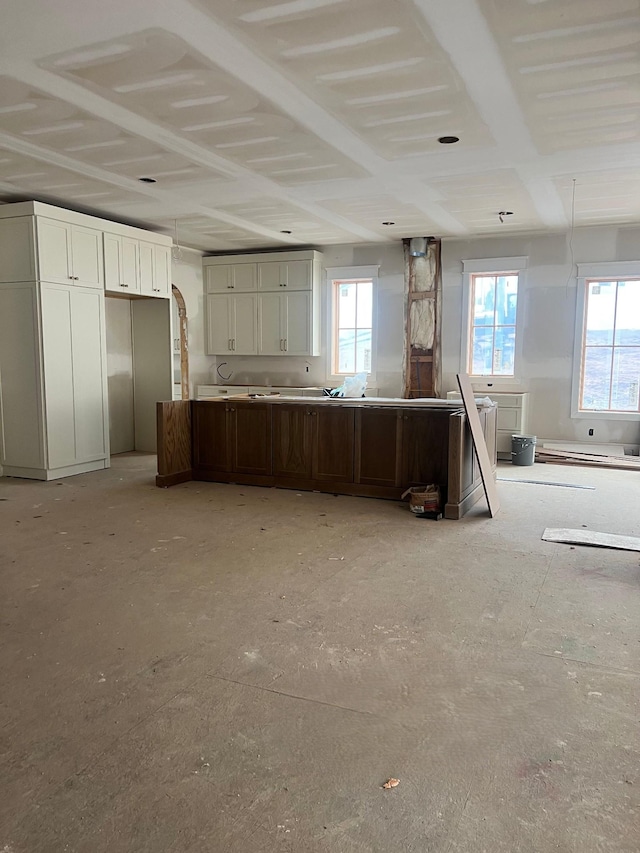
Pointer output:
523, 449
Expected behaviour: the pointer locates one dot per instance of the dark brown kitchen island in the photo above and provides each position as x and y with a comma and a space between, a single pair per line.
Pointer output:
374, 447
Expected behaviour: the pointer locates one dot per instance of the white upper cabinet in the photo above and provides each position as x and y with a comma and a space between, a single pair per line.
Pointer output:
136, 267
220, 278
284, 324
54, 250
298, 314
270, 325
161, 271
292, 275
69, 253
146, 268
86, 256
282, 318
121, 266
231, 324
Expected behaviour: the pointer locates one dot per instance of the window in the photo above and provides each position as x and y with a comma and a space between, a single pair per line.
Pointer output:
494, 299
610, 374
490, 332
352, 320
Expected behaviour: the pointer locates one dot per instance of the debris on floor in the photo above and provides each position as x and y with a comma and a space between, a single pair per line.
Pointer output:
391, 783
588, 537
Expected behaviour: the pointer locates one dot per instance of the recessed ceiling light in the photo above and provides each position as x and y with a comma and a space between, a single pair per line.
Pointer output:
147, 180
388, 223
448, 140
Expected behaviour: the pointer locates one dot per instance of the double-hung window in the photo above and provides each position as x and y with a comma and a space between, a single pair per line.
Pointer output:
490, 331
607, 362
352, 298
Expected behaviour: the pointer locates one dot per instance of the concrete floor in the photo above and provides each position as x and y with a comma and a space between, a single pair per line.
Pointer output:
234, 669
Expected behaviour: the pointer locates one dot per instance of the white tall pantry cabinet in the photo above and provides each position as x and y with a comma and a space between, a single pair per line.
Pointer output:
54, 407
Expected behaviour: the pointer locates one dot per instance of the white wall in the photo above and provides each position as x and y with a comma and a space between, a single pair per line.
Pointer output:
548, 301
119, 374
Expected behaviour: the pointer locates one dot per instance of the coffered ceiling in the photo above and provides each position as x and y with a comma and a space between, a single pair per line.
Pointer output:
313, 122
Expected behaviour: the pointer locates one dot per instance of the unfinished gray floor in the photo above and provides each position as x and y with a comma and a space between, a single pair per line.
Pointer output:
234, 669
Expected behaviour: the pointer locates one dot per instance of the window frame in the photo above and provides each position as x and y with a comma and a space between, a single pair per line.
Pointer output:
491, 266
341, 274
611, 271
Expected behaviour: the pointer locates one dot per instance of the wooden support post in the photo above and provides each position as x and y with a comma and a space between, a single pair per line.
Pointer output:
423, 291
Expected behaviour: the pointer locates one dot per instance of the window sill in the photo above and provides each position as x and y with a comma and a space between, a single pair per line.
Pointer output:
606, 416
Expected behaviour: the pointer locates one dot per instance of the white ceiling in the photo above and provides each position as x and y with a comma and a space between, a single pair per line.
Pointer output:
322, 117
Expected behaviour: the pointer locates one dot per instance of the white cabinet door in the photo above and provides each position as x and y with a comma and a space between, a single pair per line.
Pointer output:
271, 275
298, 275
297, 322
129, 264
54, 250
278, 275
112, 277
243, 277
218, 278
270, 326
89, 383
145, 260
121, 264
223, 277
86, 256
245, 331
219, 324
58, 375
74, 375
162, 271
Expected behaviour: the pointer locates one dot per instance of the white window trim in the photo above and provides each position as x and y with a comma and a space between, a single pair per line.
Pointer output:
474, 266
618, 270
337, 274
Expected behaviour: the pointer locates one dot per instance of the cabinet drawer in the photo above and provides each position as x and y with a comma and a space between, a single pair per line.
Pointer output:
509, 418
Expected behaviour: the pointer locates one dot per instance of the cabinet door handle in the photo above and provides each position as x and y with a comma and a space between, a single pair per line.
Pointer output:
232, 409
285, 344
229, 344
233, 341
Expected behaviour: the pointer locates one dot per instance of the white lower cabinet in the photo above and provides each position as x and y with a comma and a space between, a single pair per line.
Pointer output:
231, 324
284, 323
54, 402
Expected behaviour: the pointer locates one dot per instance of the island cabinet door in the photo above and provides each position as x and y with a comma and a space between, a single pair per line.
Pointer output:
292, 439
425, 448
332, 444
378, 447
211, 440
250, 428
